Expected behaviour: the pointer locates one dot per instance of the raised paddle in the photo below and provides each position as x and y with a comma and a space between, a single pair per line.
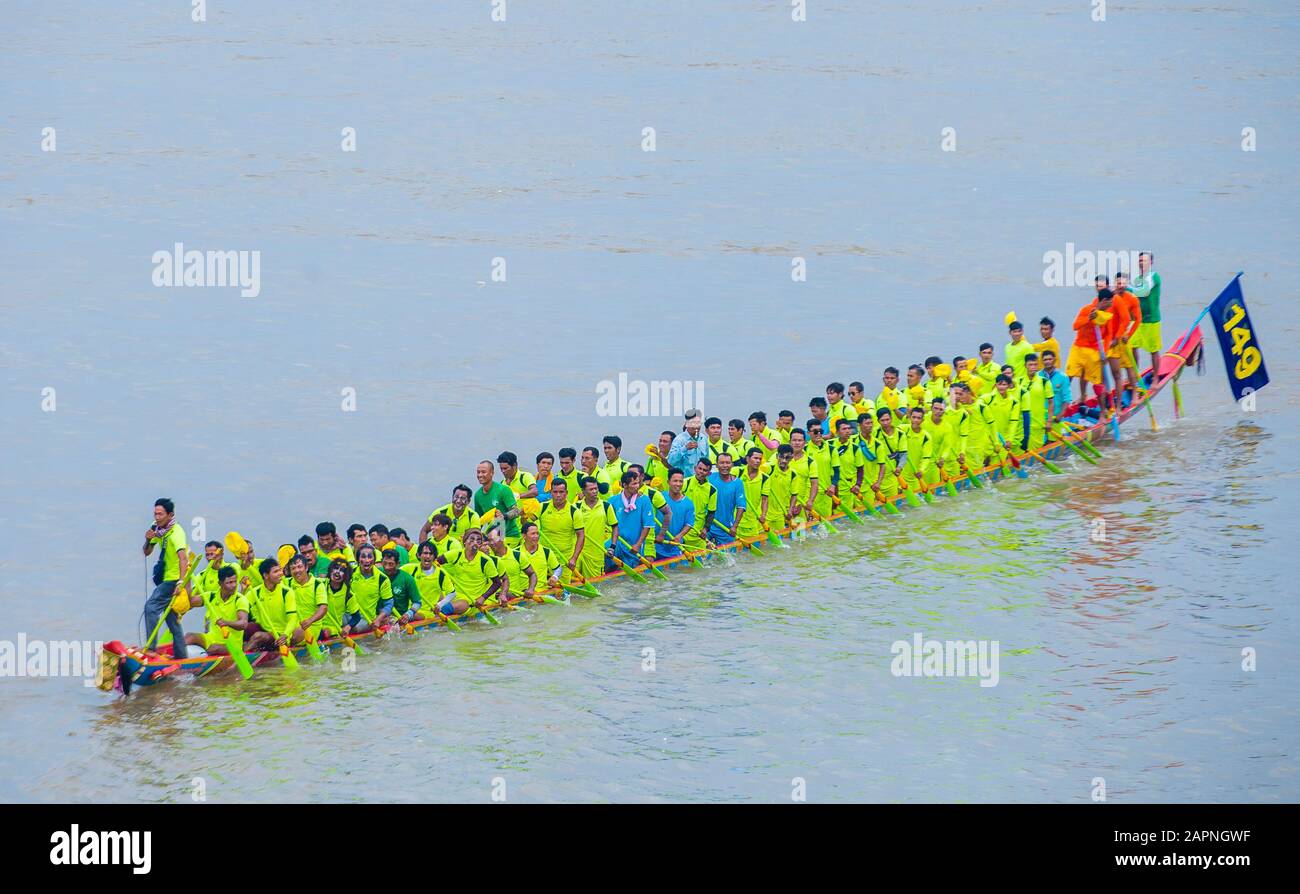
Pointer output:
237, 545
236, 654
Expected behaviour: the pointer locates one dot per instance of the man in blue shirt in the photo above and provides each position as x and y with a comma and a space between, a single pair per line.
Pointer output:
680, 520
1059, 384
688, 447
635, 519
731, 501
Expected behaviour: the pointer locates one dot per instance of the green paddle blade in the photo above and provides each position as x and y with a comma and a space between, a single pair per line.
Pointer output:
891, 508
287, 659
241, 662
549, 599
695, 560
950, 488
658, 572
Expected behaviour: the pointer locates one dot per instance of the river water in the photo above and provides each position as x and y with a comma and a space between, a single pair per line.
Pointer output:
1120, 661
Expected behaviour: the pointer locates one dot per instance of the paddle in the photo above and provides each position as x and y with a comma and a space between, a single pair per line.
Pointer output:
1083, 443
1015, 463
925, 493
1146, 392
947, 484
631, 572
1105, 378
974, 479
1065, 439
285, 553
852, 516
586, 589
482, 609
237, 654
908, 494
657, 572
825, 522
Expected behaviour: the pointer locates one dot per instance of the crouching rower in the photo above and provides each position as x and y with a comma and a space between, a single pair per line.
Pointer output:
517, 570
227, 615
310, 599
433, 582
477, 575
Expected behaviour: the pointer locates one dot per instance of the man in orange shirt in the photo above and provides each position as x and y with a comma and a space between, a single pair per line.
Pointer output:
1084, 361
1128, 316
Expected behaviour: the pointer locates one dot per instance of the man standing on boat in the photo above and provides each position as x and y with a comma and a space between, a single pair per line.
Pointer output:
1146, 287
687, 448
1085, 360
173, 562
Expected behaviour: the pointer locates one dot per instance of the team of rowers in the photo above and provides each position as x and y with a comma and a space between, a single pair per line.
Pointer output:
575, 519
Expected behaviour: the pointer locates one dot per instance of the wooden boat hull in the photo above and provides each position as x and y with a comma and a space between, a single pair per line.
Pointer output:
131, 667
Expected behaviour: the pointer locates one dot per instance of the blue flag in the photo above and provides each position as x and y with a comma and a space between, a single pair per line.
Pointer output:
1241, 352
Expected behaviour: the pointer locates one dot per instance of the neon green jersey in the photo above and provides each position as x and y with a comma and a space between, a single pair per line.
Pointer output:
459, 523
205, 581
434, 584
171, 544
367, 592
806, 470
275, 611
756, 487
308, 597
475, 576
703, 496
545, 563
846, 460
560, 527
942, 437
920, 452
782, 484
1014, 354
597, 521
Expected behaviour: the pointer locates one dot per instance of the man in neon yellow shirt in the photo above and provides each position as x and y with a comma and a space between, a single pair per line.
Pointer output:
521, 484
987, 370
275, 613
564, 528
1004, 409
736, 437
716, 445
598, 520
1035, 398
889, 447
656, 468
1016, 349
704, 498
807, 482
615, 465
462, 518
310, 599
847, 462
754, 481
205, 581
942, 440
857, 397
520, 578
972, 425
836, 408
891, 395
478, 577
434, 582
546, 564
783, 486
604, 484
765, 439
228, 618
784, 425
820, 451
918, 466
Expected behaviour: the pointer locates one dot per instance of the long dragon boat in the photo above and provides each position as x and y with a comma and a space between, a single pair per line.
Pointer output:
124, 667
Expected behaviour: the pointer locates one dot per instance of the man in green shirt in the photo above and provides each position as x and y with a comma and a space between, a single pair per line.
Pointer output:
317, 565
1146, 286
1016, 349
495, 495
406, 593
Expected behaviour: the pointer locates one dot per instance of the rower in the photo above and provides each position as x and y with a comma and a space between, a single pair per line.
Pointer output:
703, 495
337, 577
783, 484
809, 487
784, 425
590, 470
755, 483
679, 525
331, 545
356, 536
206, 581
1084, 361
275, 614
545, 472
1129, 310
942, 440
635, 520
658, 506
972, 429
918, 469
820, 417
1016, 349
765, 439
493, 495
915, 389
562, 523
381, 539
736, 437
478, 578
858, 399
656, 466
520, 576
847, 462
717, 446
544, 562
1004, 407
598, 519
370, 599
891, 395
521, 484
986, 370
569, 472
406, 592
433, 582
731, 502
819, 449
1046, 332
458, 513
1035, 403
317, 565
836, 408
173, 562
227, 618
310, 599
890, 448
615, 465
